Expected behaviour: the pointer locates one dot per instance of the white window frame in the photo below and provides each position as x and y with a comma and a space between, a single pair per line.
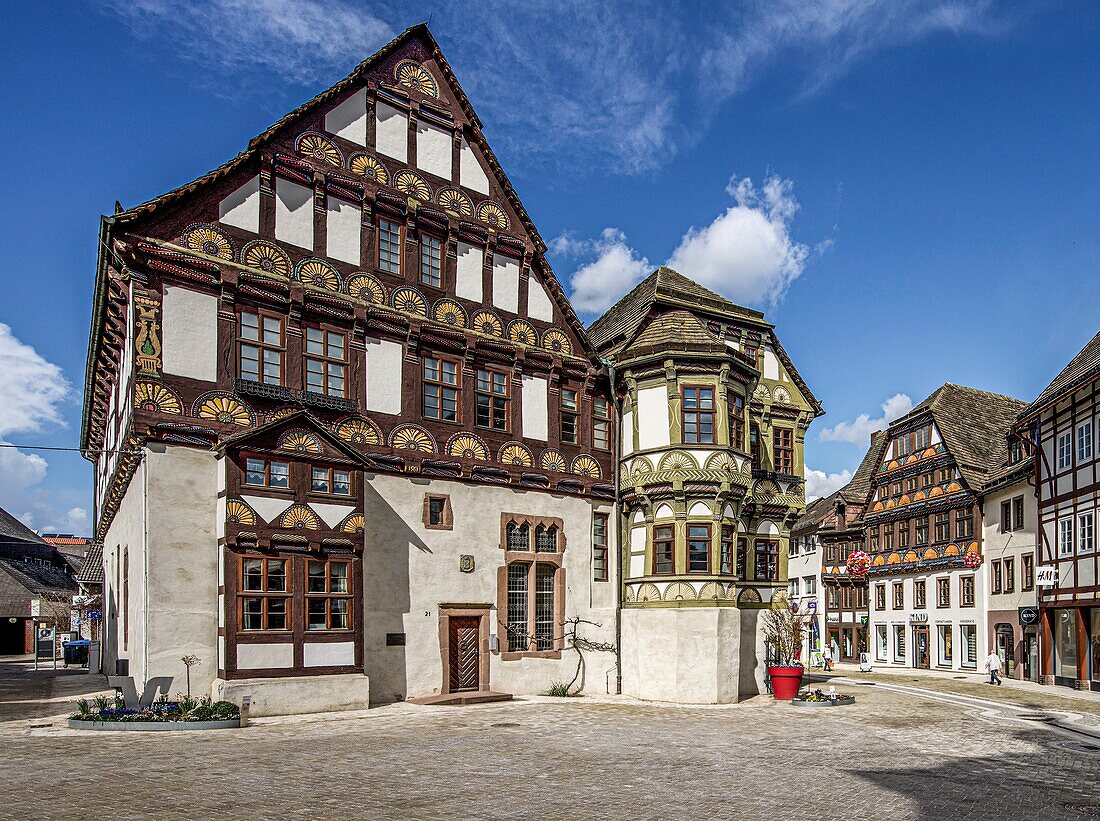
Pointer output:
1086, 542
1065, 537
810, 583
899, 656
1065, 450
882, 642
1084, 442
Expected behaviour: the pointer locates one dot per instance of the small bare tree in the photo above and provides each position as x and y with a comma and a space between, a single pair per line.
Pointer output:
581, 644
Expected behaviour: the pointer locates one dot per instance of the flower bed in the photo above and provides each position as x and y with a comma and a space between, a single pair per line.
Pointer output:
185, 713
817, 698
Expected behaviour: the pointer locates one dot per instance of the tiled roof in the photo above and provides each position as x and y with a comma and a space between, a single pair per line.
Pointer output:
91, 572
858, 489
22, 581
13, 530
681, 329
1080, 369
815, 513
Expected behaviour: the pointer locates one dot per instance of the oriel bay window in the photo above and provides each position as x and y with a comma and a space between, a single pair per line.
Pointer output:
767, 560
331, 480
532, 591
492, 399
441, 390
697, 415
737, 421
431, 261
328, 599
262, 346
783, 450
264, 603
664, 548
389, 247
326, 361
698, 548
266, 473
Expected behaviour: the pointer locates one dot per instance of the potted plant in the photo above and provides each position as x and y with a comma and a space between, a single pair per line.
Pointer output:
783, 630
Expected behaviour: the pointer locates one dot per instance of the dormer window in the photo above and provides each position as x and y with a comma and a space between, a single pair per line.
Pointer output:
266, 473
331, 480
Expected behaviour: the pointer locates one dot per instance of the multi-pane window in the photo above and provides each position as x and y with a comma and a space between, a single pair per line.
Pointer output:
1010, 575
492, 399
1065, 450
546, 539
262, 346
922, 530
1006, 516
726, 557
601, 423
861, 597
920, 600
518, 640
441, 391
1085, 543
832, 598
899, 595
737, 421
431, 261
328, 595
264, 603
809, 584
1018, 513
783, 450
1084, 442
531, 593
943, 592
331, 480
518, 537
880, 596
1015, 450
899, 642
903, 534
754, 446
1065, 537
966, 591
569, 416
599, 547
389, 247
663, 549
996, 581
872, 539
698, 414
544, 606
266, 473
742, 557
698, 544
326, 361
964, 523
943, 526
1027, 572
767, 560
888, 537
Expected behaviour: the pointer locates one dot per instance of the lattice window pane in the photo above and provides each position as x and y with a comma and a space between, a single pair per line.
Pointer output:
519, 537
546, 539
544, 606
517, 606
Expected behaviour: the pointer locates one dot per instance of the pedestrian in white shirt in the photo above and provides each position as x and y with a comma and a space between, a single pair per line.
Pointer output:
827, 658
993, 665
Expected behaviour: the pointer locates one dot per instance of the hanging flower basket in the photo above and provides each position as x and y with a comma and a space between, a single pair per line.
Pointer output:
973, 560
858, 563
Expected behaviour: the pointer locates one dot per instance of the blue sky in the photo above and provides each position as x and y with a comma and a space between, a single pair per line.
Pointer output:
909, 189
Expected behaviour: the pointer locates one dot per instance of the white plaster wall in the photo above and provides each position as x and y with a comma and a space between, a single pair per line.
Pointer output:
261, 656
535, 419
539, 305
471, 174
383, 383
637, 552
278, 696
627, 433
189, 328
182, 566
1014, 544
469, 282
771, 364
294, 213
268, 508
328, 653
349, 119
506, 283
343, 229
391, 135
410, 571
433, 149
127, 530
653, 423
241, 209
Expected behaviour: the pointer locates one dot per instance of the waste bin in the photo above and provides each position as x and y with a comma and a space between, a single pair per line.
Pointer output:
94, 660
76, 652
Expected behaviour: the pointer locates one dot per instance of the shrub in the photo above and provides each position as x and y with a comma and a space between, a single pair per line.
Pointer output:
560, 689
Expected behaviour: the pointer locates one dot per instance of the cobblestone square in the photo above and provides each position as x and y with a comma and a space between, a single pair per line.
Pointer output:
890, 756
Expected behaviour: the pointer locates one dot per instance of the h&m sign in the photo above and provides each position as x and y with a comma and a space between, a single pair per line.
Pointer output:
1046, 575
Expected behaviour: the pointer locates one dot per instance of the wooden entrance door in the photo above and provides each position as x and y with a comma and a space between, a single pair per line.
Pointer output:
465, 653
920, 646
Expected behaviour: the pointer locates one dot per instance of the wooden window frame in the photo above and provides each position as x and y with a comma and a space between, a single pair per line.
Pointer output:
600, 548
496, 402
943, 601
964, 515
1027, 572
783, 450
699, 413
1006, 516
331, 480
267, 473
995, 577
379, 230
264, 595
688, 540
329, 596
601, 424
920, 594
572, 414
1010, 574
658, 539
425, 257
898, 596
427, 382
446, 521
736, 404
880, 596
742, 563
771, 551
921, 531
942, 526
967, 595
1018, 513
261, 345
727, 558
326, 360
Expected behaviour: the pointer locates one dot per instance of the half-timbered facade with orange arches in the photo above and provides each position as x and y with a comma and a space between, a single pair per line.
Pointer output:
345, 424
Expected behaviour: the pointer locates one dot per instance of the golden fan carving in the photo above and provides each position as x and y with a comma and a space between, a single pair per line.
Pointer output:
449, 312
557, 341
679, 590
355, 523
468, 446
300, 517
585, 465
451, 199
410, 301
210, 241
492, 215
266, 257
300, 440
552, 460
410, 437
238, 513
319, 273
224, 408
281, 413
411, 183
319, 148
514, 453
359, 431
523, 332
487, 322
364, 165
411, 74
152, 396
362, 286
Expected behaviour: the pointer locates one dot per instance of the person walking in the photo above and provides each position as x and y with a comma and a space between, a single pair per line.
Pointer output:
993, 665
827, 658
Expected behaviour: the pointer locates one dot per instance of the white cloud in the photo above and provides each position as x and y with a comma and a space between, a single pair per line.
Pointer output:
747, 253
819, 483
859, 431
617, 268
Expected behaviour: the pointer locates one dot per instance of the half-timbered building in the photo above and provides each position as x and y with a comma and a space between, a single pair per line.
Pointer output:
1062, 425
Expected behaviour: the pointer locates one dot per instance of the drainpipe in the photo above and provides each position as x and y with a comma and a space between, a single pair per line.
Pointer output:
618, 529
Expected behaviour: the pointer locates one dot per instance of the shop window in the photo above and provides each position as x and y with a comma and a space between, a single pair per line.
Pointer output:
946, 650
899, 642
880, 642
970, 645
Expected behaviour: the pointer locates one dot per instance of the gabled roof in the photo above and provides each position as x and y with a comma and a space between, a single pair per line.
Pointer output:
22, 581
13, 530
857, 491
974, 425
91, 571
816, 512
302, 418
1081, 369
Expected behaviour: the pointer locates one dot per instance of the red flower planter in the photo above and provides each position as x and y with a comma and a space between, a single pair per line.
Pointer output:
786, 682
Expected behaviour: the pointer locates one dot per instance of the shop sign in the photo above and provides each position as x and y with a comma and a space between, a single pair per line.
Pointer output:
918, 618
1029, 615
832, 617
1046, 576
